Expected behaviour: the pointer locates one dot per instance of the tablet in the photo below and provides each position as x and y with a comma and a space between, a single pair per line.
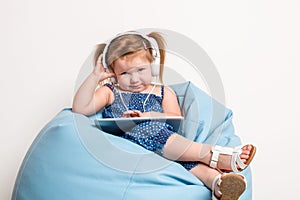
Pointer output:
118, 126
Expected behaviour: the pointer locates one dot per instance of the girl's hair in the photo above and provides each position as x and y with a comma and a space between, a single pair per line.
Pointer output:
129, 44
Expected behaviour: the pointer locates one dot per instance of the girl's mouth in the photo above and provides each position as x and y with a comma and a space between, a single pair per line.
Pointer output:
136, 87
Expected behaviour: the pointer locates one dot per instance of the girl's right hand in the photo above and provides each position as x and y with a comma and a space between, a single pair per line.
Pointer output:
132, 113
101, 72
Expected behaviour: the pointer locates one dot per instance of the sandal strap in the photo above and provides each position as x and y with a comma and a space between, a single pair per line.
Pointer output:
217, 180
236, 160
215, 157
235, 157
216, 151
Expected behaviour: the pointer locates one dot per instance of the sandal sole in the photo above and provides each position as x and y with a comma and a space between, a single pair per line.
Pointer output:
232, 187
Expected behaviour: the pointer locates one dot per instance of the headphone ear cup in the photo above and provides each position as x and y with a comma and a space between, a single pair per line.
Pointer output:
155, 67
113, 80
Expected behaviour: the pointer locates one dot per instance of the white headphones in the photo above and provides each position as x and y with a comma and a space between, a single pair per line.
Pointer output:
155, 65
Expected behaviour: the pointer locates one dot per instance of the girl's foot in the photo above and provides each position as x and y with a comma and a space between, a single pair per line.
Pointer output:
227, 159
228, 186
231, 159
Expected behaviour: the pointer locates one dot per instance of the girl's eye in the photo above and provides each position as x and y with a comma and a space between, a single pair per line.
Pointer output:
141, 69
123, 73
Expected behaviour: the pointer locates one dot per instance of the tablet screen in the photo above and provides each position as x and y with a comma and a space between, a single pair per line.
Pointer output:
118, 126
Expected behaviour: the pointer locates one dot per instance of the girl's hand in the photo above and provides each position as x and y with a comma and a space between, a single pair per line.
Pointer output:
132, 113
100, 71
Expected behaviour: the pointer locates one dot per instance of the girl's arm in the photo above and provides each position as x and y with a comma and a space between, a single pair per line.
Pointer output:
87, 101
170, 103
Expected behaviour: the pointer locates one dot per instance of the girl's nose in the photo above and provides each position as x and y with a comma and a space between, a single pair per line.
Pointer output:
133, 78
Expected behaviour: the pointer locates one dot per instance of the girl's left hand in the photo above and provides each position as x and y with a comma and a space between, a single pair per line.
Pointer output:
132, 113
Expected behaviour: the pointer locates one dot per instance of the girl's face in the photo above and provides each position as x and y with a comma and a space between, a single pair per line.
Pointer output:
133, 72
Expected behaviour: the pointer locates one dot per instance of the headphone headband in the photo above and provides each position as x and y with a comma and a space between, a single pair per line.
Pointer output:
151, 40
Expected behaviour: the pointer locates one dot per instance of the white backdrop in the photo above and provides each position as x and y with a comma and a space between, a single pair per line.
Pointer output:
255, 46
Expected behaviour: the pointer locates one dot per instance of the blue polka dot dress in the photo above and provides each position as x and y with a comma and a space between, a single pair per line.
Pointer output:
151, 135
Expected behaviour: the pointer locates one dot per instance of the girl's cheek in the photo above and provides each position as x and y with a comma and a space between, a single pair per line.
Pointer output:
123, 82
148, 79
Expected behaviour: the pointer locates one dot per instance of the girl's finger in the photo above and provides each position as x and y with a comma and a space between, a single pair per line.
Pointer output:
137, 113
99, 63
127, 113
99, 60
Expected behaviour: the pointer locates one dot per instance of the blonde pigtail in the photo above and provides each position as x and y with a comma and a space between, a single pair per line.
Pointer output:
162, 46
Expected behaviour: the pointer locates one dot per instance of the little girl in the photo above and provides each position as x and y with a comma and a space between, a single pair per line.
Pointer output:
128, 58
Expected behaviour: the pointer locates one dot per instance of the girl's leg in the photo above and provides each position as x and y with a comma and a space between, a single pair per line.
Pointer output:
207, 176
182, 149
157, 137
229, 186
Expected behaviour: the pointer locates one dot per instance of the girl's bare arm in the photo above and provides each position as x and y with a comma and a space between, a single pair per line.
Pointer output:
87, 99
170, 103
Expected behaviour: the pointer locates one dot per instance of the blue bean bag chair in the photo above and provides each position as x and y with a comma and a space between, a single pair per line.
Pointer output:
71, 159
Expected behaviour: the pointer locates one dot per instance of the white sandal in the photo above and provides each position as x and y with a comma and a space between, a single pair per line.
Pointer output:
231, 186
217, 178
235, 157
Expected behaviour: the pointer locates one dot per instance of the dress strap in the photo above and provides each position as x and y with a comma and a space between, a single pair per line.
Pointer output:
162, 92
110, 86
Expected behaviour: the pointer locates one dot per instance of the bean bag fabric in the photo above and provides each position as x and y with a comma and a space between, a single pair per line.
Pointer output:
71, 159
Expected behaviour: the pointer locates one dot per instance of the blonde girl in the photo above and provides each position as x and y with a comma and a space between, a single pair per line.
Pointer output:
128, 59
